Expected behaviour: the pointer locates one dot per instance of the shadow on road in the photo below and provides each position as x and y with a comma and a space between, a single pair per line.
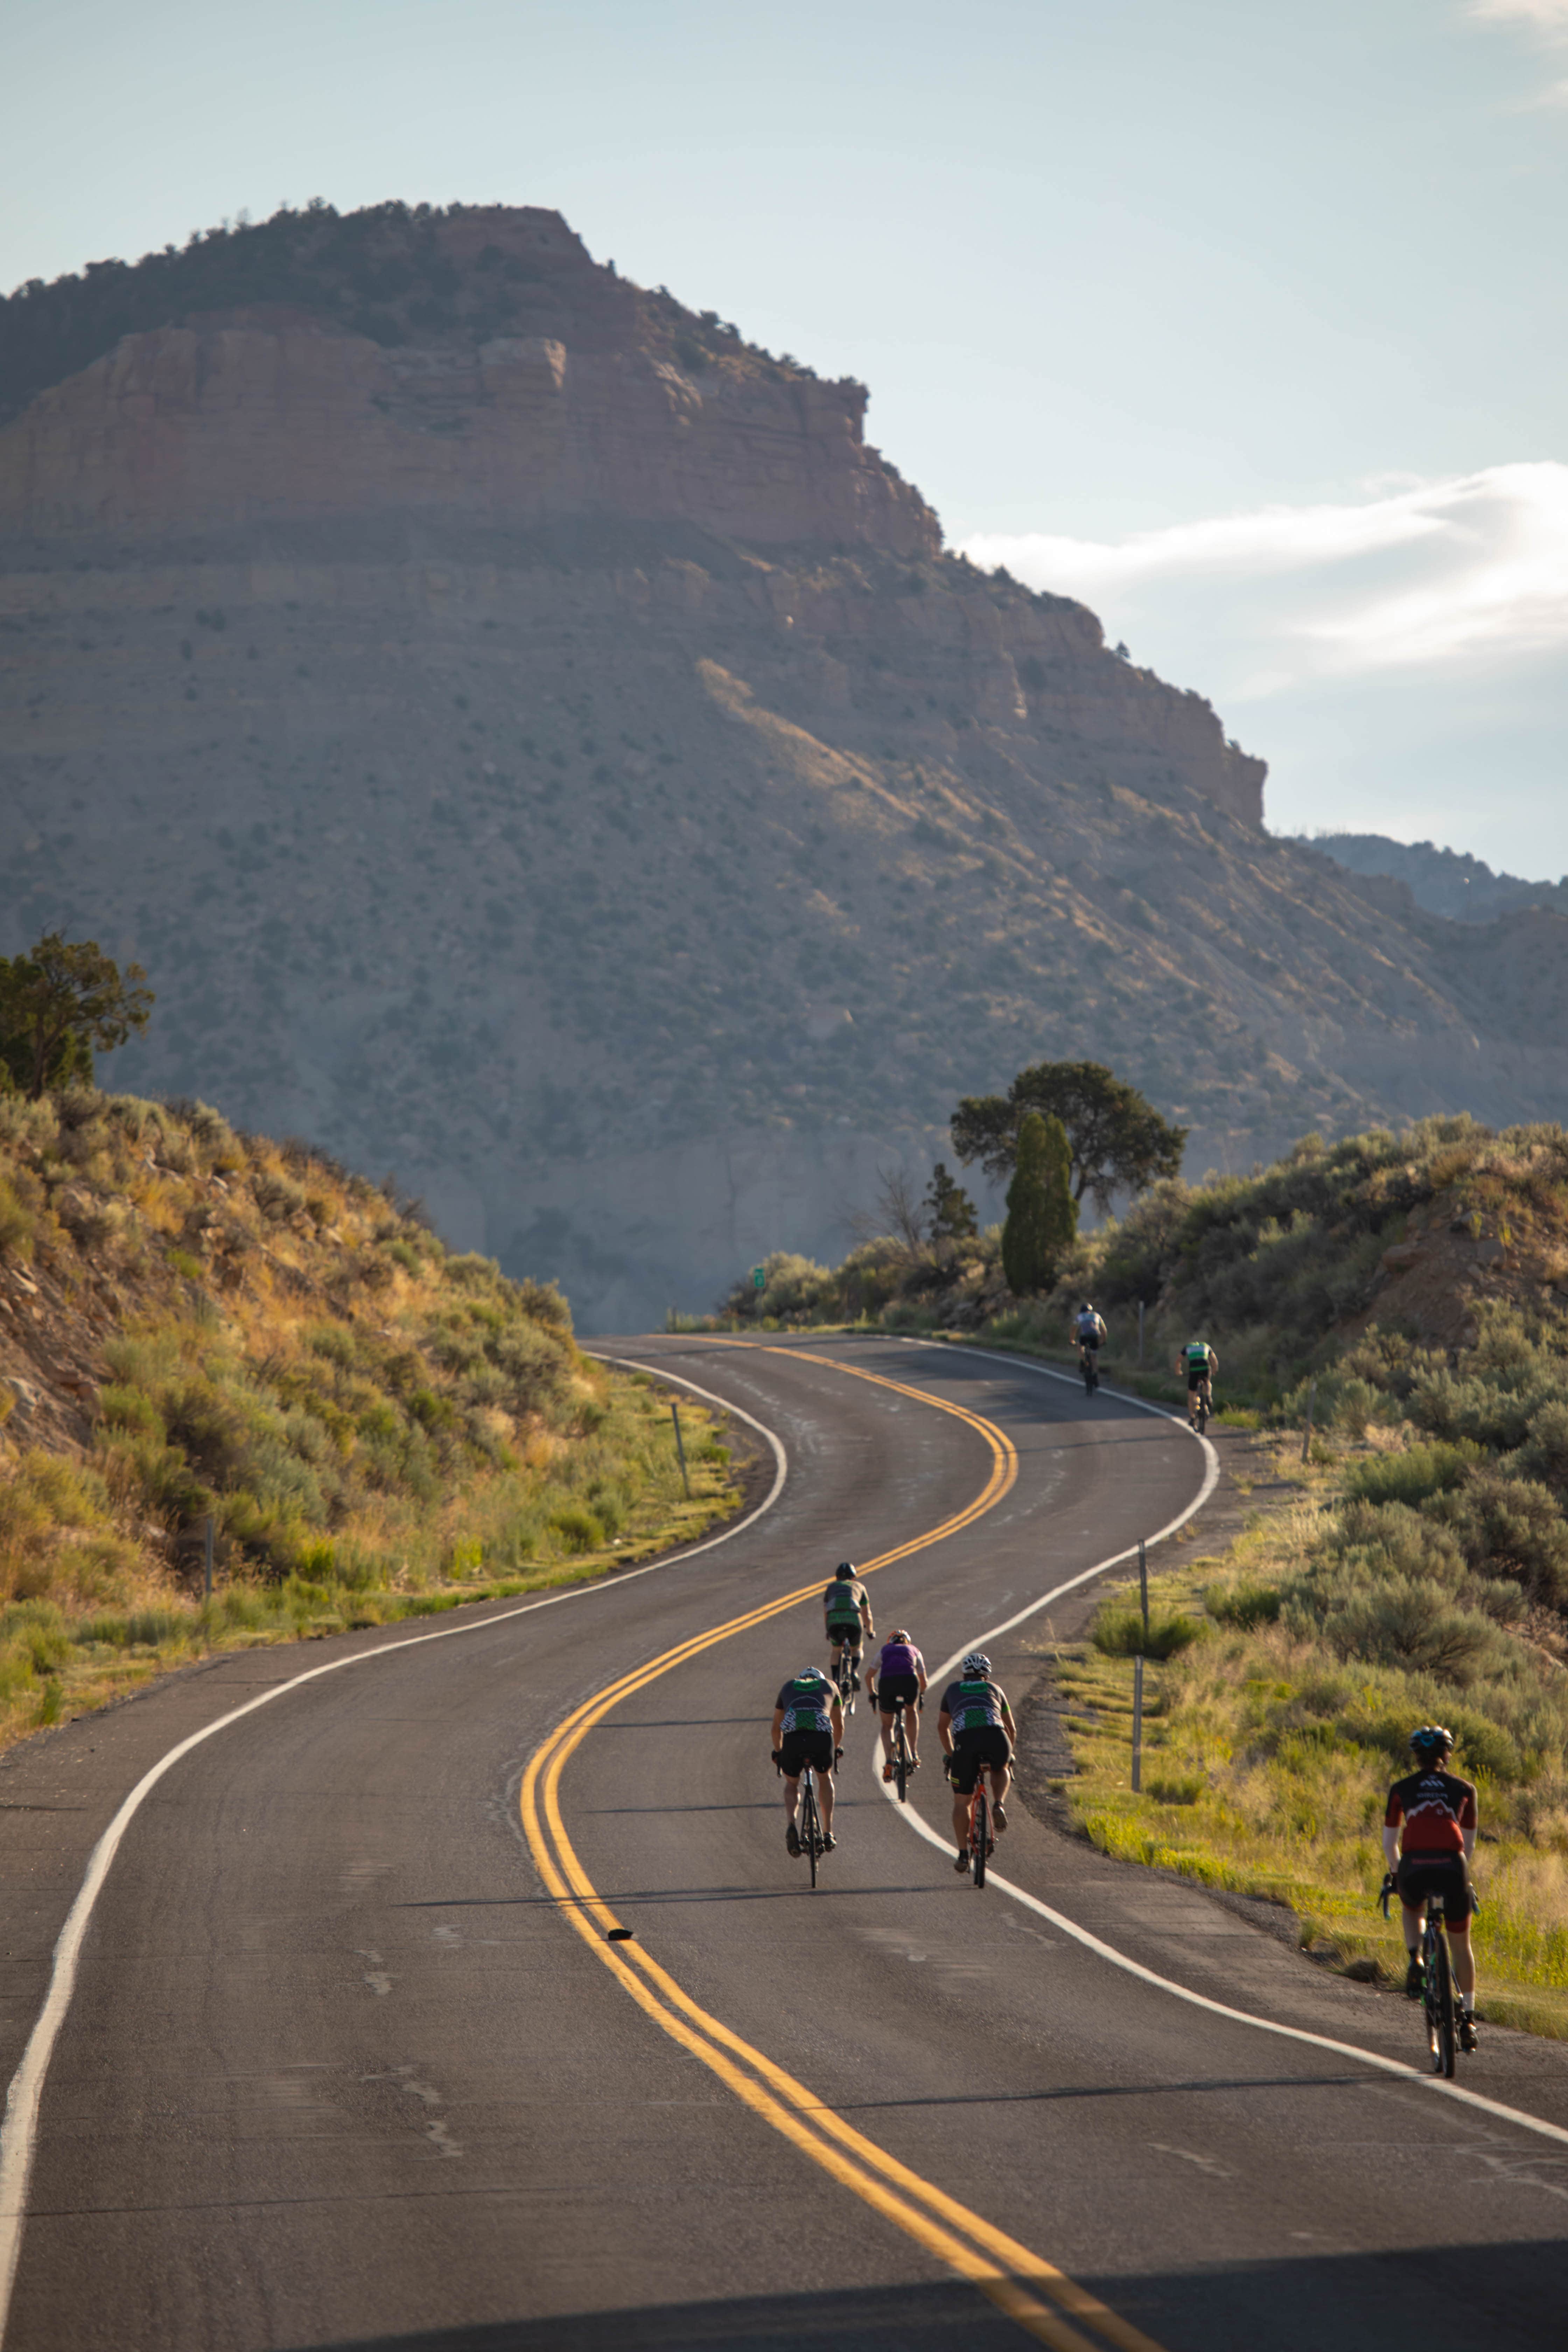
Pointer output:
1471, 2298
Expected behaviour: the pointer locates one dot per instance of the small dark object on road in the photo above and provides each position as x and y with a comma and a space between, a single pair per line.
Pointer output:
619, 1936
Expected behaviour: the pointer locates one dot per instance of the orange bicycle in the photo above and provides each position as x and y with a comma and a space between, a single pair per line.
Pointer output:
981, 1844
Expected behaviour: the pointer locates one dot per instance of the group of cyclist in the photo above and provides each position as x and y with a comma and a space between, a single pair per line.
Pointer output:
1429, 1823
1196, 1363
974, 1723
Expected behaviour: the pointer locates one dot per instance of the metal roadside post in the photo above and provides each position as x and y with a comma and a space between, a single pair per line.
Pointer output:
207, 1548
1143, 1587
1139, 1335
1307, 1432
680, 1450
1137, 1724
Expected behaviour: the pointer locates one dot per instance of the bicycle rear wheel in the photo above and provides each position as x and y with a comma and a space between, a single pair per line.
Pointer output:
811, 1840
1442, 2039
981, 1834
1203, 1415
900, 1757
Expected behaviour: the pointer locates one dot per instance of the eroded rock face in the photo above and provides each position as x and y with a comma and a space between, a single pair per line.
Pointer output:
266, 413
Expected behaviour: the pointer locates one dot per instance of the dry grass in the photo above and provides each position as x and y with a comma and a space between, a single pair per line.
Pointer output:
227, 1326
1268, 1758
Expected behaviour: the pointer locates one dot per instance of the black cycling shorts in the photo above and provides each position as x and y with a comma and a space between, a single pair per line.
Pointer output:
847, 1637
1197, 1379
1420, 1875
799, 1749
973, 1752
891, 1688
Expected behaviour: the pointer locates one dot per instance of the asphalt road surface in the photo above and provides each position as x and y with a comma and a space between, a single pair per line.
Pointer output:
349, 2062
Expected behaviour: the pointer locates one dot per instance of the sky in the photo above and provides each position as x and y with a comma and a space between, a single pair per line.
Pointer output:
1245, 323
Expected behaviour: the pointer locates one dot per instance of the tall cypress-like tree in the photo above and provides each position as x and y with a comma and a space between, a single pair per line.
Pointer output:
1042, 1215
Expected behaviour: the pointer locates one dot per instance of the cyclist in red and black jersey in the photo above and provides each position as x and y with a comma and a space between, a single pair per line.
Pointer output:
1428, 1837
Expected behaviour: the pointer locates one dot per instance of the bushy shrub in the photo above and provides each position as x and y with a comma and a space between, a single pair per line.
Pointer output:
1117, 1630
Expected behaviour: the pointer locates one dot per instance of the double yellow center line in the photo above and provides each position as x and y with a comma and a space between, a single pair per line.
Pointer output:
1003, 2269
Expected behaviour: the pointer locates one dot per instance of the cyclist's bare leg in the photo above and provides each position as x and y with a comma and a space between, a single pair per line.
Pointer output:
885, 1725
792, 1795
825, 1802
1412, 1923
1464, 1959
960, 1821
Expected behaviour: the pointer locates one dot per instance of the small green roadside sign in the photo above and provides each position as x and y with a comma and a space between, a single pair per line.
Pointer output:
759, 1277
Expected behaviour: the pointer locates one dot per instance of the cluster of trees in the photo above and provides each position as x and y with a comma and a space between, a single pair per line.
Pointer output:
1061, 1131
60, 1003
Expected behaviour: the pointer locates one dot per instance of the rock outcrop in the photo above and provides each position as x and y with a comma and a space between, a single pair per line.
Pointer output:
274, 414
536, 744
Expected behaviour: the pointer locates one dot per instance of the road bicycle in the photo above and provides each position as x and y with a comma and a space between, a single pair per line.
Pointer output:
844, 1680
1436, 1982
903, 1762
1199, 1407
1090, 1368
977, 1851
810, 1825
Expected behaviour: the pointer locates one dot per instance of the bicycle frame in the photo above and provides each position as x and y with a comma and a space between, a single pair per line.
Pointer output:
1436, 1982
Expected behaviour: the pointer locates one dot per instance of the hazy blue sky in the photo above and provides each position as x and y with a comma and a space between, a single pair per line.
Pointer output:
1245, 321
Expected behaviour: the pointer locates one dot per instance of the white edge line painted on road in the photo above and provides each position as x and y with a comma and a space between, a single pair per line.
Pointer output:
1395, 2067
18, 2131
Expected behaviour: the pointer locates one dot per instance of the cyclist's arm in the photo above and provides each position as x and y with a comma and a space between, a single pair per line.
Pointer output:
867, 1627
1008, 1725
778, 1725
920, 1678
837, 1720
1470, 1838
1391, 1848
944, 1731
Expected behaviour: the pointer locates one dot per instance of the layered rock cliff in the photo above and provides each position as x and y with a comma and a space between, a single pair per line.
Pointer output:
535, 744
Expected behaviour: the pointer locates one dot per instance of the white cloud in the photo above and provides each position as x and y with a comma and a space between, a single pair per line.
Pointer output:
1471, 569
1548, 17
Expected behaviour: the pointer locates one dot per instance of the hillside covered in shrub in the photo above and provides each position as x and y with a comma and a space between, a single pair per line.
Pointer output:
196, 1325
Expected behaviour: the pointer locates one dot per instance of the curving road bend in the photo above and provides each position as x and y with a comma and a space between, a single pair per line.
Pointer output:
340, 2070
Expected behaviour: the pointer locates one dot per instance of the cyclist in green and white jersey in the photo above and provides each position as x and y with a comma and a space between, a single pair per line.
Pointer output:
808, 1725
846, 1613
1198, 1361
977, 1732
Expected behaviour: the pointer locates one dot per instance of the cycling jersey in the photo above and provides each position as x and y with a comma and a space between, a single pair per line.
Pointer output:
900, 1658
845, 1598
1437, 1808
973, 1705
1090, 1330
807, 1706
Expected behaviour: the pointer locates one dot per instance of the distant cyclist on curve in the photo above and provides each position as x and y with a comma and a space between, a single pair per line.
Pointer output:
976, 1729
1437, 1813
898, 1674
1088, 1328
846, 1610
1199, 1362
808, 1724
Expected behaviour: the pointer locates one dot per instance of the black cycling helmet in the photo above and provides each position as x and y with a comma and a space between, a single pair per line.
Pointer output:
845, 1568
1431, 1741
1087, 1307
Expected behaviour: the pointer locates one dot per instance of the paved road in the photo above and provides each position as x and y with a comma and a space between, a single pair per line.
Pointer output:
338, 2071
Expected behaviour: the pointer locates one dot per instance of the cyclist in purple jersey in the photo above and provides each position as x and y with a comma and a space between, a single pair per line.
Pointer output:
898, 1674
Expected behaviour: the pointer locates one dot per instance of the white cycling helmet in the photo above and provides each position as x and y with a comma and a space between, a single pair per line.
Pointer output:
978, 1663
